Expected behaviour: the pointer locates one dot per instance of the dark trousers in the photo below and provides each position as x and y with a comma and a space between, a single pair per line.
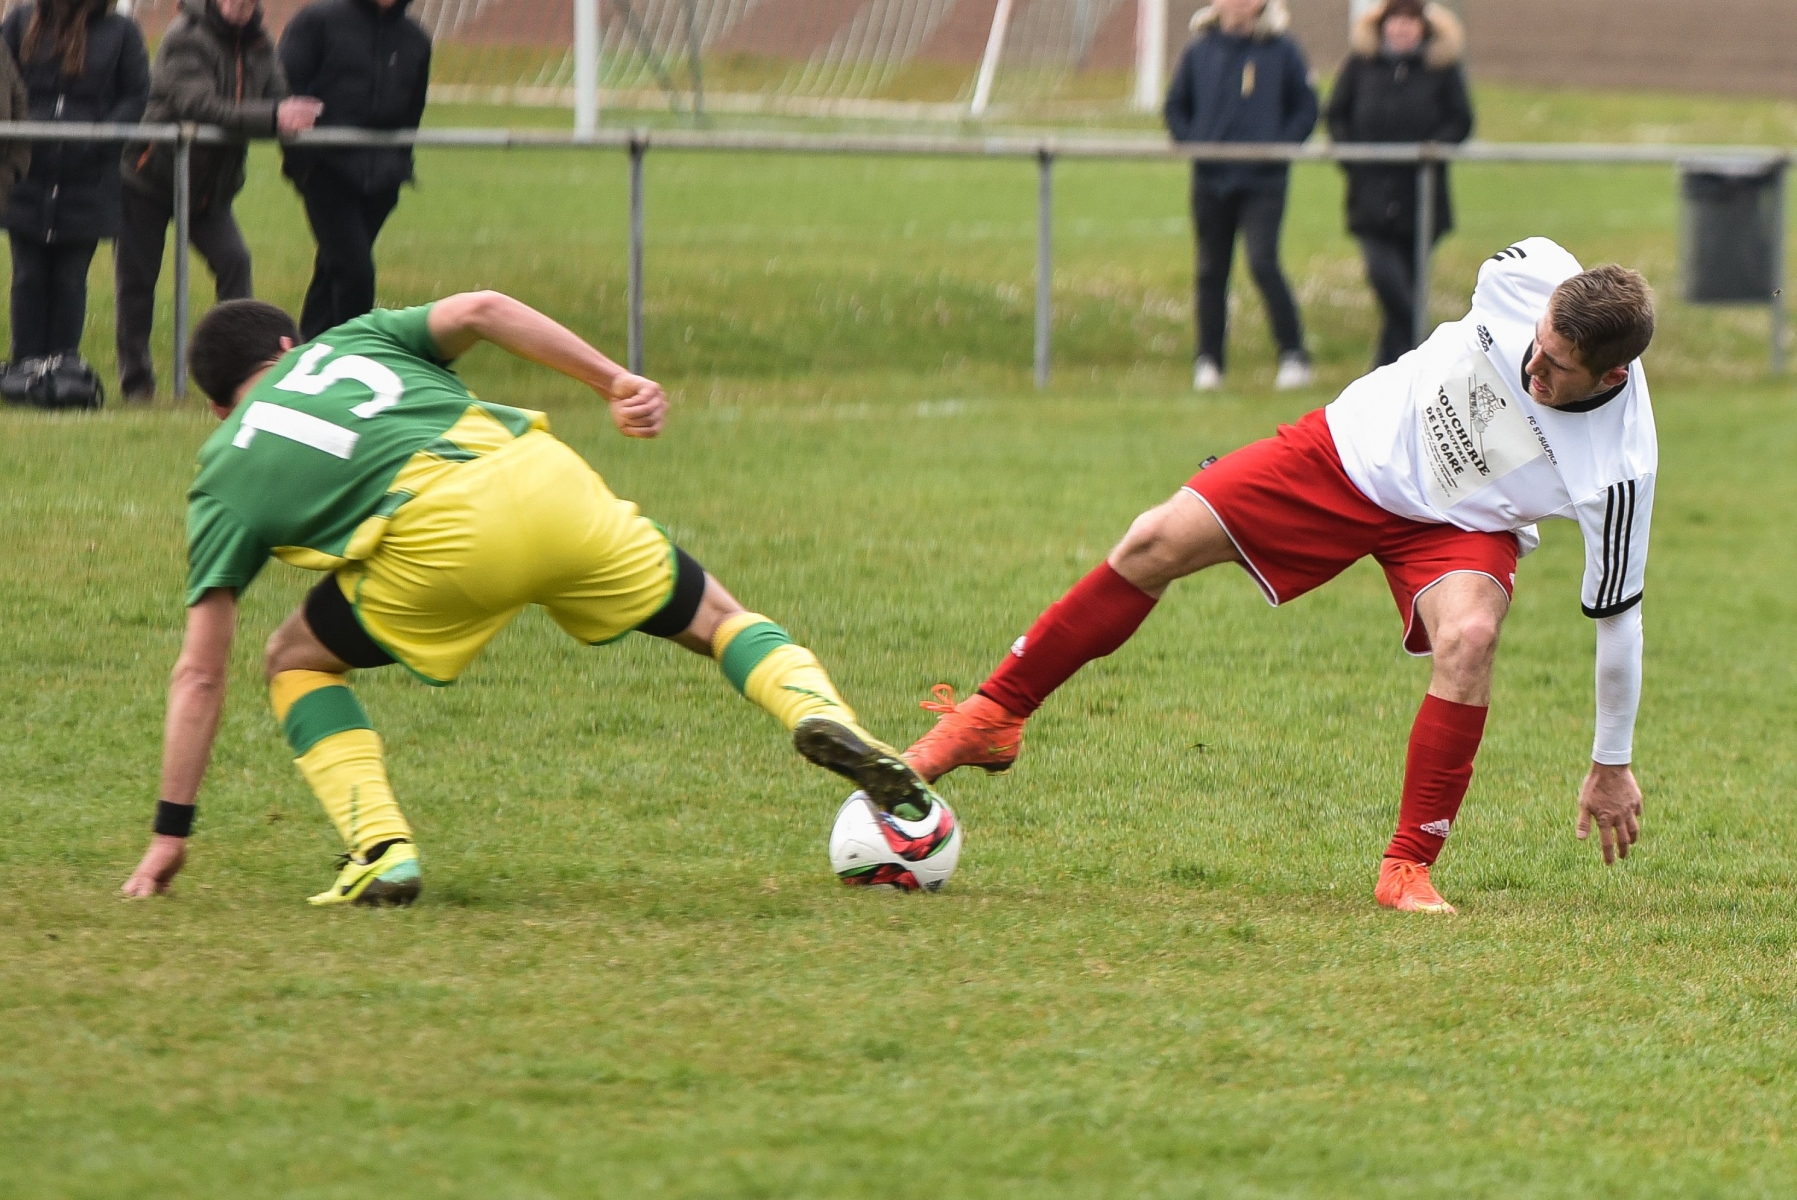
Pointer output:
345, 223
1391, 270
1256, 216
137, 263
49, 296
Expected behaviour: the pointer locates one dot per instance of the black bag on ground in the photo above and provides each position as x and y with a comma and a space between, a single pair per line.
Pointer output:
60, 381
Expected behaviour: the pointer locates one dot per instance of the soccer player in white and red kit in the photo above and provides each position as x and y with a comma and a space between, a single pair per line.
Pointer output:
1532, 406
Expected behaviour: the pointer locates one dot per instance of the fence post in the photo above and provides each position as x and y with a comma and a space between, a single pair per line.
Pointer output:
1044, 261
1425, 244
1780, 247
183, 205
639, 145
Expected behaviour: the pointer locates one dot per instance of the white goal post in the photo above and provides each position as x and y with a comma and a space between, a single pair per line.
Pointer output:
586, 68
1151, 54
995, 46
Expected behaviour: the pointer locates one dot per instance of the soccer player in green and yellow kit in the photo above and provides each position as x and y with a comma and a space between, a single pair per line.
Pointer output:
438, 517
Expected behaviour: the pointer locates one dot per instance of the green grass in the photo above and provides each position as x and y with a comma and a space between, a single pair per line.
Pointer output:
1159, 972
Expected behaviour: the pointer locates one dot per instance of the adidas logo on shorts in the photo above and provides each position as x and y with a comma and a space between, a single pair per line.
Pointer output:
1017, 646
1485, 338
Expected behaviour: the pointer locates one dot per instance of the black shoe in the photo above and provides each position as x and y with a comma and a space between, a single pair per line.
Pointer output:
876, 769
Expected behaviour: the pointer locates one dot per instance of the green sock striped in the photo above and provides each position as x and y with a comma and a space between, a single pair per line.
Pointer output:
317, 715
748, 648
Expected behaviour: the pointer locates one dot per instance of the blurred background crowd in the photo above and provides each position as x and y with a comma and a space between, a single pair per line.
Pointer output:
1241, 71
359, 63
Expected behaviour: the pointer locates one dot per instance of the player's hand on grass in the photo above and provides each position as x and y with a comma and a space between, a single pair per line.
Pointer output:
1611, 799
638, 406
160, 864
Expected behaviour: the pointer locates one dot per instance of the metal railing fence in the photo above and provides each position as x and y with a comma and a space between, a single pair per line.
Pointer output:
1045, 150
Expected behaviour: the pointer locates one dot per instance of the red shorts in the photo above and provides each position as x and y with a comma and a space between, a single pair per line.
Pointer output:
1299, 521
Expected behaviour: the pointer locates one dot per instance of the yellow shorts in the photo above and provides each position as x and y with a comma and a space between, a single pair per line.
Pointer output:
532, 523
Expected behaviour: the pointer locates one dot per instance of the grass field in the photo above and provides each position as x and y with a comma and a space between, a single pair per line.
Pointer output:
1159, 973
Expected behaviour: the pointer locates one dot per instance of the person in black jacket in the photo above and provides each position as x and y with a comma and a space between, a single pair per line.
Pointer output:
1242, 79
15, 157
1403, 83
215, 66
81, 62
370, 65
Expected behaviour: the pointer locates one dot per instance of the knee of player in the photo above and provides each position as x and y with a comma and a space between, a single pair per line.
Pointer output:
1150, 542
271, 656
1469, 640
276, 653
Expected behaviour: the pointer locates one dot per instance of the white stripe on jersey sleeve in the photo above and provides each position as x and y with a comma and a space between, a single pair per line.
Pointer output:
1616, 522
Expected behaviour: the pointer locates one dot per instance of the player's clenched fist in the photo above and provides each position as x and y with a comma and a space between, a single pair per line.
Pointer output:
638, 406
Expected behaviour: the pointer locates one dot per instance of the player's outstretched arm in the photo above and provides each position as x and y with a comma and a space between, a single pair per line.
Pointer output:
1610, 797
458, 322
196, 698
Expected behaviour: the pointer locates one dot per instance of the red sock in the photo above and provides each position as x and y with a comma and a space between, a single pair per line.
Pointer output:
1099, 614
1443, 742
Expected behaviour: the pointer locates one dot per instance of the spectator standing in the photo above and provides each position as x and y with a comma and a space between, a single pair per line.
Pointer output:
1402, 83
1242, 79
370, 65
216, 66
15, 157
81, 61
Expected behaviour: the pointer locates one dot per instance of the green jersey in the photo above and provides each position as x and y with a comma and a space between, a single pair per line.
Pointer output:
329, 444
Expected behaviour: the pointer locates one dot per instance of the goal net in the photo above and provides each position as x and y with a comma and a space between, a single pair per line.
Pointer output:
827, 57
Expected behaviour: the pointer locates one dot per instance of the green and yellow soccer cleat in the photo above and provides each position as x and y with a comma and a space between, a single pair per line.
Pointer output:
876, 768
391, 878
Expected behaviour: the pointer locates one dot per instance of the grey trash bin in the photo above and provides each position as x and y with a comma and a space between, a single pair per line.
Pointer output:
1731, 238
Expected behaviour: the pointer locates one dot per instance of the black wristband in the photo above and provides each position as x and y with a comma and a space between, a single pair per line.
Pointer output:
173, 820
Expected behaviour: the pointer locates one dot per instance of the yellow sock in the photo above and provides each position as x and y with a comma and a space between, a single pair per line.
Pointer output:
340, 756
761, 661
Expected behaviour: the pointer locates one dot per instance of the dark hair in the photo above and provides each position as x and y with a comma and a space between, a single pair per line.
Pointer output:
1403, 8
233, 342
65, 22
1607, 314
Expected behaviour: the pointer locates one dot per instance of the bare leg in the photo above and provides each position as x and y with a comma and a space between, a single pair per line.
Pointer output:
294, 647
1179, 538
715, 607
1094, 618
1463, 614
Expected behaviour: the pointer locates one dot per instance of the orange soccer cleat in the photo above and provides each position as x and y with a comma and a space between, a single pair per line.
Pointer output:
1405, 886
974, 733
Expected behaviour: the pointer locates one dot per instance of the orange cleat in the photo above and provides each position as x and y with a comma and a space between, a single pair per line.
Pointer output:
974, 733
1405, 886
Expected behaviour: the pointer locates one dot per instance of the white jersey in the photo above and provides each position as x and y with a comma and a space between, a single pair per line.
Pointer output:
1449, 434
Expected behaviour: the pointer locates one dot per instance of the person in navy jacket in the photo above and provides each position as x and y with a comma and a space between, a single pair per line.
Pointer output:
1242, 79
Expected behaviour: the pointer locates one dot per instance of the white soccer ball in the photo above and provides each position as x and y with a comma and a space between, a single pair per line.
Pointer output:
870, 848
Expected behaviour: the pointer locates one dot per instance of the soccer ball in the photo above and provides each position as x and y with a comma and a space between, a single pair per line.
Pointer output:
871, 848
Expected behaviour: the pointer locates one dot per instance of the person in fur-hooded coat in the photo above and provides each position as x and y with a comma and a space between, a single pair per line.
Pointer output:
1402, 83
1242, 79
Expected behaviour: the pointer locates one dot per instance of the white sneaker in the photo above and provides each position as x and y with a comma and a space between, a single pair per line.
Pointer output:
1294, 372
1208, 376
